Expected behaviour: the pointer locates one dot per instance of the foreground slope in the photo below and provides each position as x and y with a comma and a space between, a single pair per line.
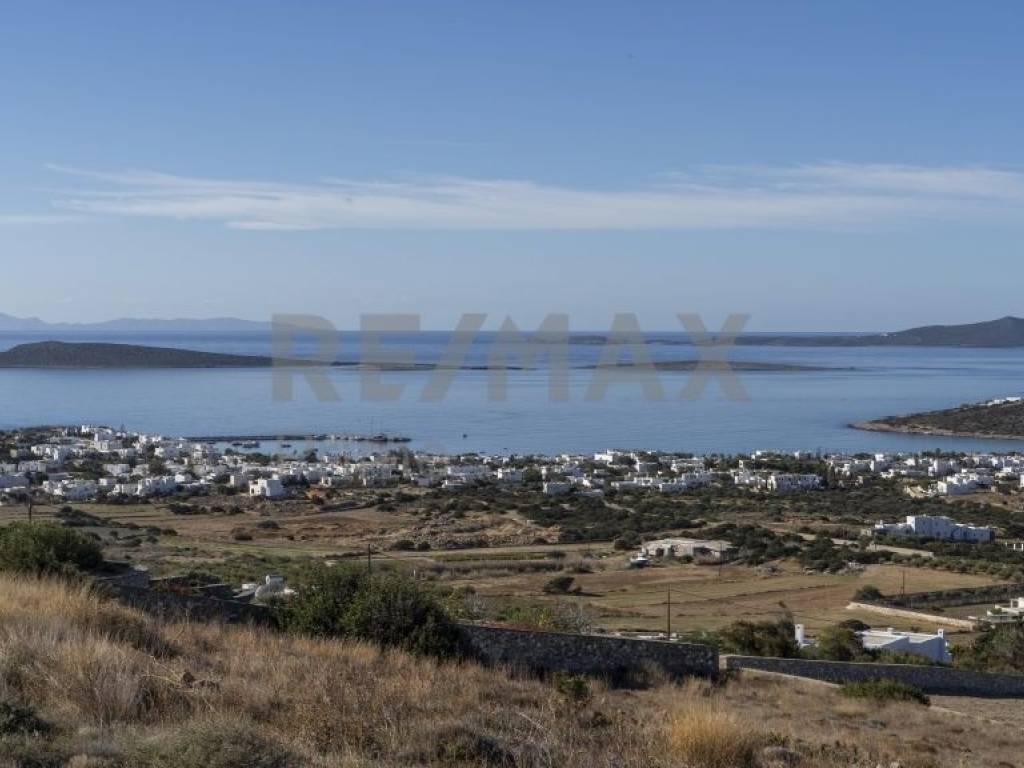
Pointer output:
88, 683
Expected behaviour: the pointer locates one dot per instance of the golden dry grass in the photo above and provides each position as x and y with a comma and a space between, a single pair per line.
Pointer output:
122, 689
706, 733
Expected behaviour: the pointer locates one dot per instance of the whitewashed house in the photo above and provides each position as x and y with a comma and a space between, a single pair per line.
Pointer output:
267, 487
935, 527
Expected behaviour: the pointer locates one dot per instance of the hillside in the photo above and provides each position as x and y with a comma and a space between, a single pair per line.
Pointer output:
1005, 332
1005, 420
59, 354
90, 684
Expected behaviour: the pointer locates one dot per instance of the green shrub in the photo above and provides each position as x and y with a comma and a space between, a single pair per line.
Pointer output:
885, 690
574, 688
214, 745
760, 638
47, 548
868, 592
387, 609
998, 649
840, 644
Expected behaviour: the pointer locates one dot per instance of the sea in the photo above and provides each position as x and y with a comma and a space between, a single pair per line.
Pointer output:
781, 410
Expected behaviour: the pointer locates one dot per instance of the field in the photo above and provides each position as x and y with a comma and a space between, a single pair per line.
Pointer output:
244, 539
706, 597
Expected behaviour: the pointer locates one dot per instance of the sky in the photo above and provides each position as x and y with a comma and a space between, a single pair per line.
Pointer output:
818, 166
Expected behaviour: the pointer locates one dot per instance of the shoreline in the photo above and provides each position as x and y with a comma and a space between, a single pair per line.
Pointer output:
317, 438
881, 426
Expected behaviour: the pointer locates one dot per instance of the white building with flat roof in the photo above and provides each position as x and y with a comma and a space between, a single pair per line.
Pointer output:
935, 527
933, 647
685, 548
267, 487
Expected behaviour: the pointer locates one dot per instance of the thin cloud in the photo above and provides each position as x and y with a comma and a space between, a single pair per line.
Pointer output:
31, 219
825, 195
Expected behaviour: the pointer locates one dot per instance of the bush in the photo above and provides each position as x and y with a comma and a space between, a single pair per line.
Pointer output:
560, 585
388, 609
884, 691
998, 649
16, 720
215, 745
41, 548
575, 688
765, 638
840, 644
868, 592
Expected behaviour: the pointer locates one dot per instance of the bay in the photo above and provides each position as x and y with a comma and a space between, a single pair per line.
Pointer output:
806, 410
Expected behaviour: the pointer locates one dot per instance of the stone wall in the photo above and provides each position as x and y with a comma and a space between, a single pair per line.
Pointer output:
177, 606
588, 654
948, 598
939, 681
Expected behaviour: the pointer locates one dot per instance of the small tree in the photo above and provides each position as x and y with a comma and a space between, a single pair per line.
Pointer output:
761, 638
387, 609
47, 548
998, 649
840, 644
868, 592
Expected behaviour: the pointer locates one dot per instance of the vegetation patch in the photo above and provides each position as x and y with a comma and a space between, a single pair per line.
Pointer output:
18, 720
215, 744
706, 735
885, 691
41, 548
387, 609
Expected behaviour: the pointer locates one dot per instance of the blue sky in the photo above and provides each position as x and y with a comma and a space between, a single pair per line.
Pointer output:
820, 166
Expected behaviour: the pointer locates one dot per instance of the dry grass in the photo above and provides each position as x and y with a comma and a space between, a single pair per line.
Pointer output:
117, 684
704, 733
121, 689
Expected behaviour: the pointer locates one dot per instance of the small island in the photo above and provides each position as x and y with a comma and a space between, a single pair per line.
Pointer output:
89, 355
1000, 419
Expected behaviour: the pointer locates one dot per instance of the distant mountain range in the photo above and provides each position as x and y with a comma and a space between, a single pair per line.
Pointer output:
133, 325
1004, 332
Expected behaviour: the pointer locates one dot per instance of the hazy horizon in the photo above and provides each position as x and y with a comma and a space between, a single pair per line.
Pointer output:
491, 324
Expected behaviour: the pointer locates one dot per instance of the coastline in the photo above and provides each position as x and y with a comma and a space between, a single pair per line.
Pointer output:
881, 426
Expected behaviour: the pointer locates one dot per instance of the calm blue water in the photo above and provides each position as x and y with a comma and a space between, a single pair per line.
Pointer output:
786, 411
